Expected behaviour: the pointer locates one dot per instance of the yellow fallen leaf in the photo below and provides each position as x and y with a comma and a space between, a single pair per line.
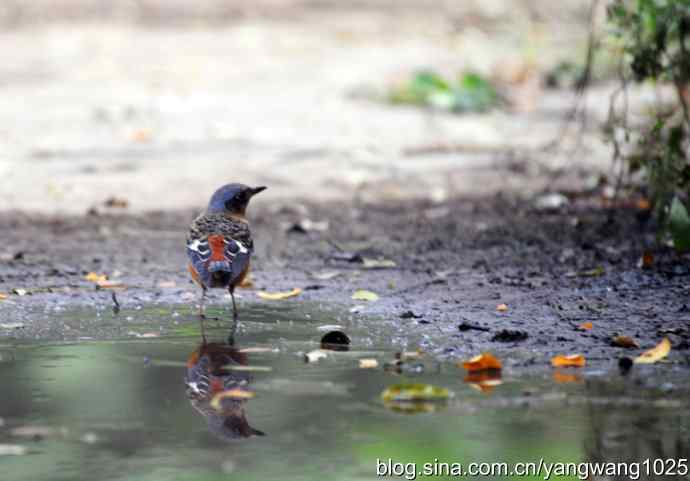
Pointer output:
624, 341
585, 326
415, 392
236, 394
105, 284
655, 354
368, 363
94, 277
482, 362
3, 296
364, 295
277, 296
501, 308
572, 360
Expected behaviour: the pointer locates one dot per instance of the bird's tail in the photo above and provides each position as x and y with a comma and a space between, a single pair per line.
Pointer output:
219, 266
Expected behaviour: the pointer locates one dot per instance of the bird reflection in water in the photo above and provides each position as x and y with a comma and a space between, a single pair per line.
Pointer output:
218, 392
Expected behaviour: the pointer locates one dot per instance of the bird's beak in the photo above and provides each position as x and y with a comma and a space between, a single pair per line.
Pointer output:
256, 190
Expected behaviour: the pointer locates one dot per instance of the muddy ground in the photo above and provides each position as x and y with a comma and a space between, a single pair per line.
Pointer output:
455, 262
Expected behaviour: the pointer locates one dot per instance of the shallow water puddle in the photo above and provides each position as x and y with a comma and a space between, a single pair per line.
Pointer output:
136, 409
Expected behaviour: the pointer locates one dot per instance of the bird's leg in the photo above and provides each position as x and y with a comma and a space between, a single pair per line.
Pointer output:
202, 314
231, 337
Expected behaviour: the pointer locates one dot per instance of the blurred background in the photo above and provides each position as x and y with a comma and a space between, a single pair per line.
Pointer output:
151, 104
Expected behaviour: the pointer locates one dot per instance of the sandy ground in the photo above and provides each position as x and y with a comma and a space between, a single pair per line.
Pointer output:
161, 103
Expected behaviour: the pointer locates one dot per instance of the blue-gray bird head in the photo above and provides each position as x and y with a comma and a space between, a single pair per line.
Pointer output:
232, 199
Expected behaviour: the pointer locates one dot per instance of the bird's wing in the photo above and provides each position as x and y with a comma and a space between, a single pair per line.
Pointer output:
216, 243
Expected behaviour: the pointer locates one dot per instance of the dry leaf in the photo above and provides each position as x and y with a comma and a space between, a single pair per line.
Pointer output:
644, 204
364, 295
277, 296
655, 354
624, 341
116, 202
484, 381
105, 284
585, 326
236, 394
141, 135
415, 392
563, 378
369, 263
596, 272
572, 360
94, 277
167, 284
646, 261
326, 275
482, 362
501, 308
407, 355
368, 363
11, 325
12, 450
315, 355
3, 296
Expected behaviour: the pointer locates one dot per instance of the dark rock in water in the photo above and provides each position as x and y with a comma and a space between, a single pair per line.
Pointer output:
335, 341
409, 315
509, 335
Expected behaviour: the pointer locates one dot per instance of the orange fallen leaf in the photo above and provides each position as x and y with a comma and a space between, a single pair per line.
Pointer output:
585, 326
655, 354
277, 296
484, 381
501, 308
644, 204
247, 282
646, 261
624, 341
572, 360
563, 378
3, 296
482, 362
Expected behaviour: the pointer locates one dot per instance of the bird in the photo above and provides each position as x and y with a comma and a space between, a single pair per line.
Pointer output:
217, 392
220, 244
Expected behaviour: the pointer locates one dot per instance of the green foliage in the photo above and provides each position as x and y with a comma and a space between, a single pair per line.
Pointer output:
655, 36
469, 93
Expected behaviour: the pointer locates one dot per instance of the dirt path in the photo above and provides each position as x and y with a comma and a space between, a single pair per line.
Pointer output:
455, 263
